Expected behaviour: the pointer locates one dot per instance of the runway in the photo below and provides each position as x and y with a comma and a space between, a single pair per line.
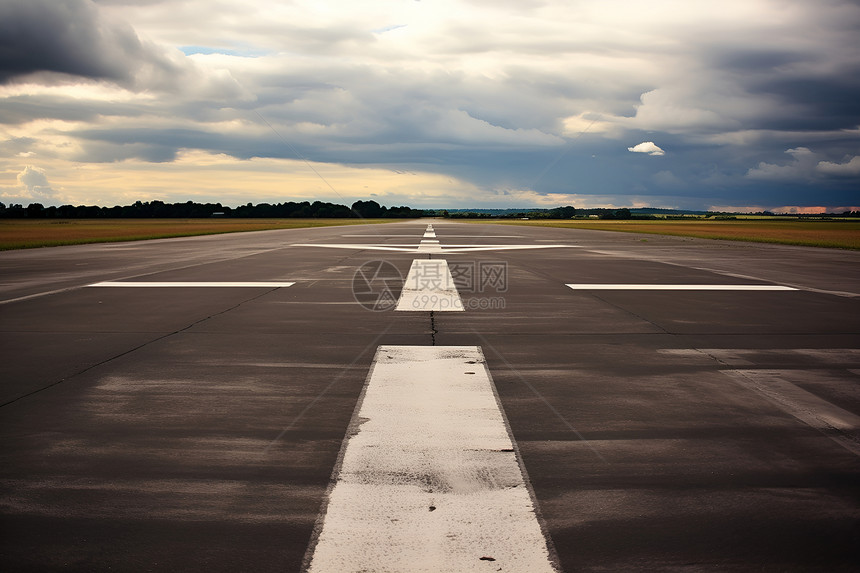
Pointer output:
668, 403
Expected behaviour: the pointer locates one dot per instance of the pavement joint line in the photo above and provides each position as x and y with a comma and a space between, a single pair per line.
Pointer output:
429, 285
325, 390
429, 477
540, 396
715, 287
838, 424
191, 284
131, 350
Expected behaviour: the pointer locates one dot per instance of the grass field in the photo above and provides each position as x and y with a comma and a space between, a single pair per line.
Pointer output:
30, 233
833, 234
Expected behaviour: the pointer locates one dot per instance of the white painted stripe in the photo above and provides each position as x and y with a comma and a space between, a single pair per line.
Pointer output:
429, 480
472, 248
191, 284
429, 235
678, 287
429, 286
377, 235
429, 247
362, 247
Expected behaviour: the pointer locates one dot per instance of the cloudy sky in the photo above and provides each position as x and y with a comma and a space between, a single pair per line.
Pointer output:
737, 104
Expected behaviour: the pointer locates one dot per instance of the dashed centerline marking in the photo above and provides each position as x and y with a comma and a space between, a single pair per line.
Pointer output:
428, 477
429, 286
679, 287
151, 284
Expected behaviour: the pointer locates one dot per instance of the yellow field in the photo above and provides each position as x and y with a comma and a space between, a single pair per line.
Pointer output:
834, 234
29, 233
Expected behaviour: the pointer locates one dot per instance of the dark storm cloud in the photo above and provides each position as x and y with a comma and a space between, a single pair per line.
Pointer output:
826, 103
547, 98
68, 37
148, 144
755, 61
810, 71
21, 109
814, 90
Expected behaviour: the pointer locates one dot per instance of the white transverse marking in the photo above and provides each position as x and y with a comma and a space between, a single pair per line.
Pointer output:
191, 284
676, 287
429, 286
429, 480
430, 247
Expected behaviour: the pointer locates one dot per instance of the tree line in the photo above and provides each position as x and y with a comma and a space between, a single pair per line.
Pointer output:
323, 210
291, 209
192, 210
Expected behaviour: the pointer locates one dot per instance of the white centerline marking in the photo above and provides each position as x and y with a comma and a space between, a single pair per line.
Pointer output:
429, 286
429, 246
140, 284
429, 480
679, 287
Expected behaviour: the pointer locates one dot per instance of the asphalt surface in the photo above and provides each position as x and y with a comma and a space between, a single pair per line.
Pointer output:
196, 429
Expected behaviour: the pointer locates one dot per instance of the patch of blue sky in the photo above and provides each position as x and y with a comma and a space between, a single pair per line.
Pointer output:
388, 28
207, 50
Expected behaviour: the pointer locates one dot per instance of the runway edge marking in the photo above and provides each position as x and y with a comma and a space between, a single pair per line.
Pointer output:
428, 478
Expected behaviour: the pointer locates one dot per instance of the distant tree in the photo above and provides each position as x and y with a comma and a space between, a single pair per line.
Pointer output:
15, 211
35, 210
368, 209
567, 212
615, 214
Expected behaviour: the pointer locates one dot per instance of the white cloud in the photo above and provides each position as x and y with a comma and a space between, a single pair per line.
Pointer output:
35, 181
805, 165
801, 168
846, 169
648, 147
